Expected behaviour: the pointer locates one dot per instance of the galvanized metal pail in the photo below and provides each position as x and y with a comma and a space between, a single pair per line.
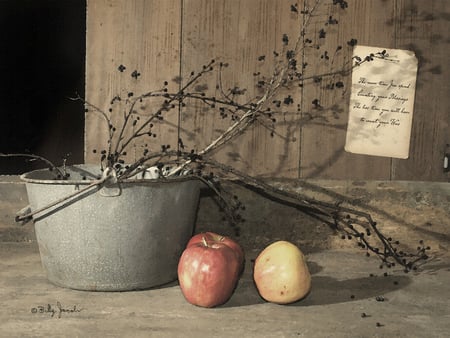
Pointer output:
125, 237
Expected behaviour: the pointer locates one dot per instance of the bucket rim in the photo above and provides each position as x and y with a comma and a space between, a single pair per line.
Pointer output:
25, 178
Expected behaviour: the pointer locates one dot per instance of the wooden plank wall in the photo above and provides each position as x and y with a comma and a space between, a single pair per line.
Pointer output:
169, 39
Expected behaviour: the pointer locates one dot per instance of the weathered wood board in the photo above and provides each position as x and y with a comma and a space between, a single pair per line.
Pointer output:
243, 34
142, 36
423, 26
170, 39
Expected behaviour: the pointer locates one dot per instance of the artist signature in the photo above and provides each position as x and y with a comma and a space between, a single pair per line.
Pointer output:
58, 310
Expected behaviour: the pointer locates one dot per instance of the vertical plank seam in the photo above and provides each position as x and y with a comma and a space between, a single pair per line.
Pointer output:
392, 162
302, 98
180, 72
85, 83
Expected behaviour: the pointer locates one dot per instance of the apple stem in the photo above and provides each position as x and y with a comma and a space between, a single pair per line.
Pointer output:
204, 241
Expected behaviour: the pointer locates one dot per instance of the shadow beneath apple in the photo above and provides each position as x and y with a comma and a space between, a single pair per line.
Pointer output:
325, 290
245, 294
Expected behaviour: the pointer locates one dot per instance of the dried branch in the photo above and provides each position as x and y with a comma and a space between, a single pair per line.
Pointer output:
60, 175
350, 222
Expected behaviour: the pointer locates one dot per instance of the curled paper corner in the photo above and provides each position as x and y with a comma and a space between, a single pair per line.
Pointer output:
410, 53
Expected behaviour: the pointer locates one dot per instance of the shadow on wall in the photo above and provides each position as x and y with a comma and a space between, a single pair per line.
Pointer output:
42, 64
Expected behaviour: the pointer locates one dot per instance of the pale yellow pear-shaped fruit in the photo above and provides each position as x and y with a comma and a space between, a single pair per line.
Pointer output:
281, 274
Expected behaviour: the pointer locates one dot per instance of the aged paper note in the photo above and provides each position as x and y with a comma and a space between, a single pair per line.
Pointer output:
382, 103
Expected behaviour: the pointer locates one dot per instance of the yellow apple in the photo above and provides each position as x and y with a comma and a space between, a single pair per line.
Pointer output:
281, 274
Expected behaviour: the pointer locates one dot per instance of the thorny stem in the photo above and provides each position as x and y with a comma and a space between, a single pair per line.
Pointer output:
37, 157
235, 129
252, 113
138, 132
346, 220
240, 125
124, 125
102, 113
178, 96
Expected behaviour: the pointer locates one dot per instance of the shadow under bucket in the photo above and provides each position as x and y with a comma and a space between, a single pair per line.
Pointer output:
125, 237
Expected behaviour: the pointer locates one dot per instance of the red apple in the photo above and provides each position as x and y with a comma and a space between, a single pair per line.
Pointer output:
212, 237
208, 272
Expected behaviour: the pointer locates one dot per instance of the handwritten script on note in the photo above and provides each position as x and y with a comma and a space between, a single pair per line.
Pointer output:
382, 103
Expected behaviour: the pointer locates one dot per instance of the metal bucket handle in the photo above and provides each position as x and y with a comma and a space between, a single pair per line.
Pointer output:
109, 176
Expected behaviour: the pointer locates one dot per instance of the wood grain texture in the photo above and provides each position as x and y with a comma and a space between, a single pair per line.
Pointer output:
172, 38
323, 141
238, 32
143, 36
423, 26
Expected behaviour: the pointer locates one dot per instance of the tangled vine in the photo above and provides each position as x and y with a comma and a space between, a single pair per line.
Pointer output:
168, 160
